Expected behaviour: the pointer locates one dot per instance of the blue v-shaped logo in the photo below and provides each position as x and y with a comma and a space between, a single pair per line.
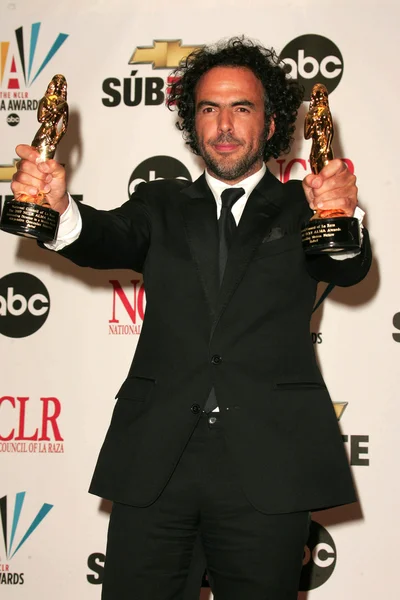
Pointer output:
27, 69
11, 545
27, 46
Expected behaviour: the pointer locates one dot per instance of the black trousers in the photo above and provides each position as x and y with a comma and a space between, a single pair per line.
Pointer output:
250, 555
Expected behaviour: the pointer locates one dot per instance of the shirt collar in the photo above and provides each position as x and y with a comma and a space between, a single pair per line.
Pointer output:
248, 184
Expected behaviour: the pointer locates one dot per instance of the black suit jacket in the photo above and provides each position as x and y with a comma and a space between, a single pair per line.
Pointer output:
250, 339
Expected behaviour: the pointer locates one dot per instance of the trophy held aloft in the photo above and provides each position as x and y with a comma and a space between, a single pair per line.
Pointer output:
328, 230
32, 216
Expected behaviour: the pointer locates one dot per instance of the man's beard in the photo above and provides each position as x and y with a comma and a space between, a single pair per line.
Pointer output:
231, 170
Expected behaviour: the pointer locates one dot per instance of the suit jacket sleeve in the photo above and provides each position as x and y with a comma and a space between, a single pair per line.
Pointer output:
342, 272
325, 268
114, 239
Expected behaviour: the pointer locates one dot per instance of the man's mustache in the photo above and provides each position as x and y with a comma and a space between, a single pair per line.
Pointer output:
226, 138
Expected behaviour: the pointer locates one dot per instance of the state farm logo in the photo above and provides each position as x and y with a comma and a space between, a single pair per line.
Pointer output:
24, 304
136, 89
157, 167
14, 536
128, 307
313, 59
319, 558
29, 426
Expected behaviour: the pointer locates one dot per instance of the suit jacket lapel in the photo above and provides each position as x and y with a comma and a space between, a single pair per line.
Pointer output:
263, 204
199, 212
200, 217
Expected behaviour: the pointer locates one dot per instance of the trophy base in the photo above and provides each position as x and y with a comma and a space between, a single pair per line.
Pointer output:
335, 234
30, 220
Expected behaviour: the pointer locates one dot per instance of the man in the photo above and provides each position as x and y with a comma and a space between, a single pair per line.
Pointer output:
224, 426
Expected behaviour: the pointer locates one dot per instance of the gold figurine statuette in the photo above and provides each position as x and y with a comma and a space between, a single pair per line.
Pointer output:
328, 230
31, 216
318, 125
53, 114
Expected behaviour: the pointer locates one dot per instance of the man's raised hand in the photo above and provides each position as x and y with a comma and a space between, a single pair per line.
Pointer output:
333, 188
33, 176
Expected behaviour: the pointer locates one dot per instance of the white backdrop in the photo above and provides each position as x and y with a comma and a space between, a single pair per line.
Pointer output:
61, 368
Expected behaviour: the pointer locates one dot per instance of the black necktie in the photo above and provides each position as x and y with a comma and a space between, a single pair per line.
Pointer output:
226, 226
226, 229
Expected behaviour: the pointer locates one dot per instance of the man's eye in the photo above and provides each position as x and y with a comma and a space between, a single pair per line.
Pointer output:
242, 109
209, 109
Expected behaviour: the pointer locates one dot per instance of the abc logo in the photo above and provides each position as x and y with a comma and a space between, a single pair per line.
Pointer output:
319, 558
13, 119
313, 59
158, 167
24, 304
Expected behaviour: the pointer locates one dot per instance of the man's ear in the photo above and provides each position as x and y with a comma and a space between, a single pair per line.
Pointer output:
271, 128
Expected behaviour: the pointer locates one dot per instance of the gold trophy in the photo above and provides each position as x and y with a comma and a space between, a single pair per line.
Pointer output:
328, 230
31, 216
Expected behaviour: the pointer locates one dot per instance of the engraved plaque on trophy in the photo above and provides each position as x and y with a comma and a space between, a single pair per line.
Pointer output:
32, 216
328, 230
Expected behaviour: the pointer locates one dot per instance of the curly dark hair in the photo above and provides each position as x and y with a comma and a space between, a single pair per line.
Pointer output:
282, 97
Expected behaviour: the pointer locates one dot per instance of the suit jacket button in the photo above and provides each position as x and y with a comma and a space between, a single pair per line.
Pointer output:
216, 359
195, 408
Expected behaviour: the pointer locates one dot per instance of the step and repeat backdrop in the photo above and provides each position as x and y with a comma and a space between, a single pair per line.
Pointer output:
67, 334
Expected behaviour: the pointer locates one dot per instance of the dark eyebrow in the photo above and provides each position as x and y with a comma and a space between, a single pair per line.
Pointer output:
244, 103
203, 103
206, 103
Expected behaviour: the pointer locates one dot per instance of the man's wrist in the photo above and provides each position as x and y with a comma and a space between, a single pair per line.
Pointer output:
359, 214
70, 226
64, 204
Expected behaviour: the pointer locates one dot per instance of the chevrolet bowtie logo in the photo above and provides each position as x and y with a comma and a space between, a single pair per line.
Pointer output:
7, 171
163, 54
339, 407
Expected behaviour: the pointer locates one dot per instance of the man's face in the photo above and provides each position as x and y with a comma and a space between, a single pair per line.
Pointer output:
230, 124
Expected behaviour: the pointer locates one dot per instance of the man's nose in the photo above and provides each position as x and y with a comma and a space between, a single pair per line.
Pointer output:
225, 122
